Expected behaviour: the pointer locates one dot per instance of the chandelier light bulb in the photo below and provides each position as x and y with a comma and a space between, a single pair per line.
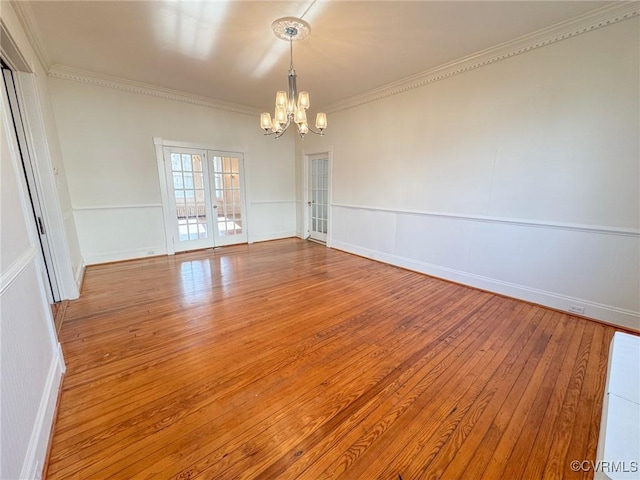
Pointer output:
303, 100
300, 116
281, 115
321, 121
265, 120
281, 98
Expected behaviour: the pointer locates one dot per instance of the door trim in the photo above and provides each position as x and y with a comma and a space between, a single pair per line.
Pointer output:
159, 145
46, 257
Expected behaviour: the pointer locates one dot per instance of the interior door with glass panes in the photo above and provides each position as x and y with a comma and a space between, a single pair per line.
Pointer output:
318, 197
227, 197
188, 187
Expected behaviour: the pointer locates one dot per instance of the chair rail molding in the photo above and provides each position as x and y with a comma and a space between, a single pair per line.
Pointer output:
599, 229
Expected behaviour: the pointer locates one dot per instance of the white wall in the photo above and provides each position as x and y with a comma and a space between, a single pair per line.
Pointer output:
519, 177
46, 156
106, 136
30, 363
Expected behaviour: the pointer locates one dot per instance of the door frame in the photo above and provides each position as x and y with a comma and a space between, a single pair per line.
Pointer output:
167, 214
306, 194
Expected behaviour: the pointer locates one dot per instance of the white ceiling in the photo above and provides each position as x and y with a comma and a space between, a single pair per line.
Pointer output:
225, 50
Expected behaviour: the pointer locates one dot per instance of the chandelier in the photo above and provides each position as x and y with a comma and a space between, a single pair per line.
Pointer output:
291, 106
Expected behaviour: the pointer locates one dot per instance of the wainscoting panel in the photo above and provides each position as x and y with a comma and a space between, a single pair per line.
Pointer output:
269, 220
113, 233
30, 376
591, 271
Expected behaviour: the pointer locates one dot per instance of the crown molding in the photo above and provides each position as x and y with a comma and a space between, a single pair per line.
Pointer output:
84, 76
28, 21
590, 21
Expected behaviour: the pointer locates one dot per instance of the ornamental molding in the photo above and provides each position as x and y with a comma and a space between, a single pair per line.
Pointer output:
26, 17
84, 76
590, 21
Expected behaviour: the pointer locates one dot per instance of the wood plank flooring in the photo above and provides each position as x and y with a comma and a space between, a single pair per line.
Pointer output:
289, 360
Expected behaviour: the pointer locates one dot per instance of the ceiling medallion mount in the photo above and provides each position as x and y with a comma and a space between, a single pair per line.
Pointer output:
290, 29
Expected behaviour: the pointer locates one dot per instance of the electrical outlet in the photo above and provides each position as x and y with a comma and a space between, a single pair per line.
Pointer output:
576, 309
151, 252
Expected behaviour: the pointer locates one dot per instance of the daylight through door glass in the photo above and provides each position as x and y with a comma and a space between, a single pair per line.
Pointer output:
226, 174
188, 187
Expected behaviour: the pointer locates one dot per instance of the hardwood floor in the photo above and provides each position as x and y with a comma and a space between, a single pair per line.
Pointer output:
288, 360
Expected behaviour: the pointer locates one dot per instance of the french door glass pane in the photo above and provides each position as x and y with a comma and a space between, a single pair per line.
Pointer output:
188, 185
319, 194
226, 173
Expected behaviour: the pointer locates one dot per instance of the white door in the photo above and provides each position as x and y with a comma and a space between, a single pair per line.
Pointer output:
318, 197
48, 273
226, 172
206, 198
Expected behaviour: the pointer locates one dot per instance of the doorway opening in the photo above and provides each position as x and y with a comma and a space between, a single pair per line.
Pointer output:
205, 200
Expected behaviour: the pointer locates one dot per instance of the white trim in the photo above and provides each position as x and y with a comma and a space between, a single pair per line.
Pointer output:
161, 148
38, 442
164, 195
576, 227
601, 17
270, 202
119, 255
45, 185
118, 207
69, 73
273, 236
10, 51
29, 24
235, 150
598, 18
16, 268
79, 276
607, 313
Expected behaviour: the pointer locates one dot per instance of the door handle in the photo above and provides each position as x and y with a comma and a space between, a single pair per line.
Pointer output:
309, 203
41, 226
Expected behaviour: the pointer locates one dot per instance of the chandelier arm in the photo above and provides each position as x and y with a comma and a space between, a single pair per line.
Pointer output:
284, 129
321, 133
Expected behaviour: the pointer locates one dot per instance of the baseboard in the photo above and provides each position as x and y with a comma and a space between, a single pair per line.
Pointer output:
612, 315
33, 464
117, 256
59, 317
79, 277
272, 236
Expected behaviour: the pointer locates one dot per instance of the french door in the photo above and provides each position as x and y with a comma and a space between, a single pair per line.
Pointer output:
206, 198
318, 197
